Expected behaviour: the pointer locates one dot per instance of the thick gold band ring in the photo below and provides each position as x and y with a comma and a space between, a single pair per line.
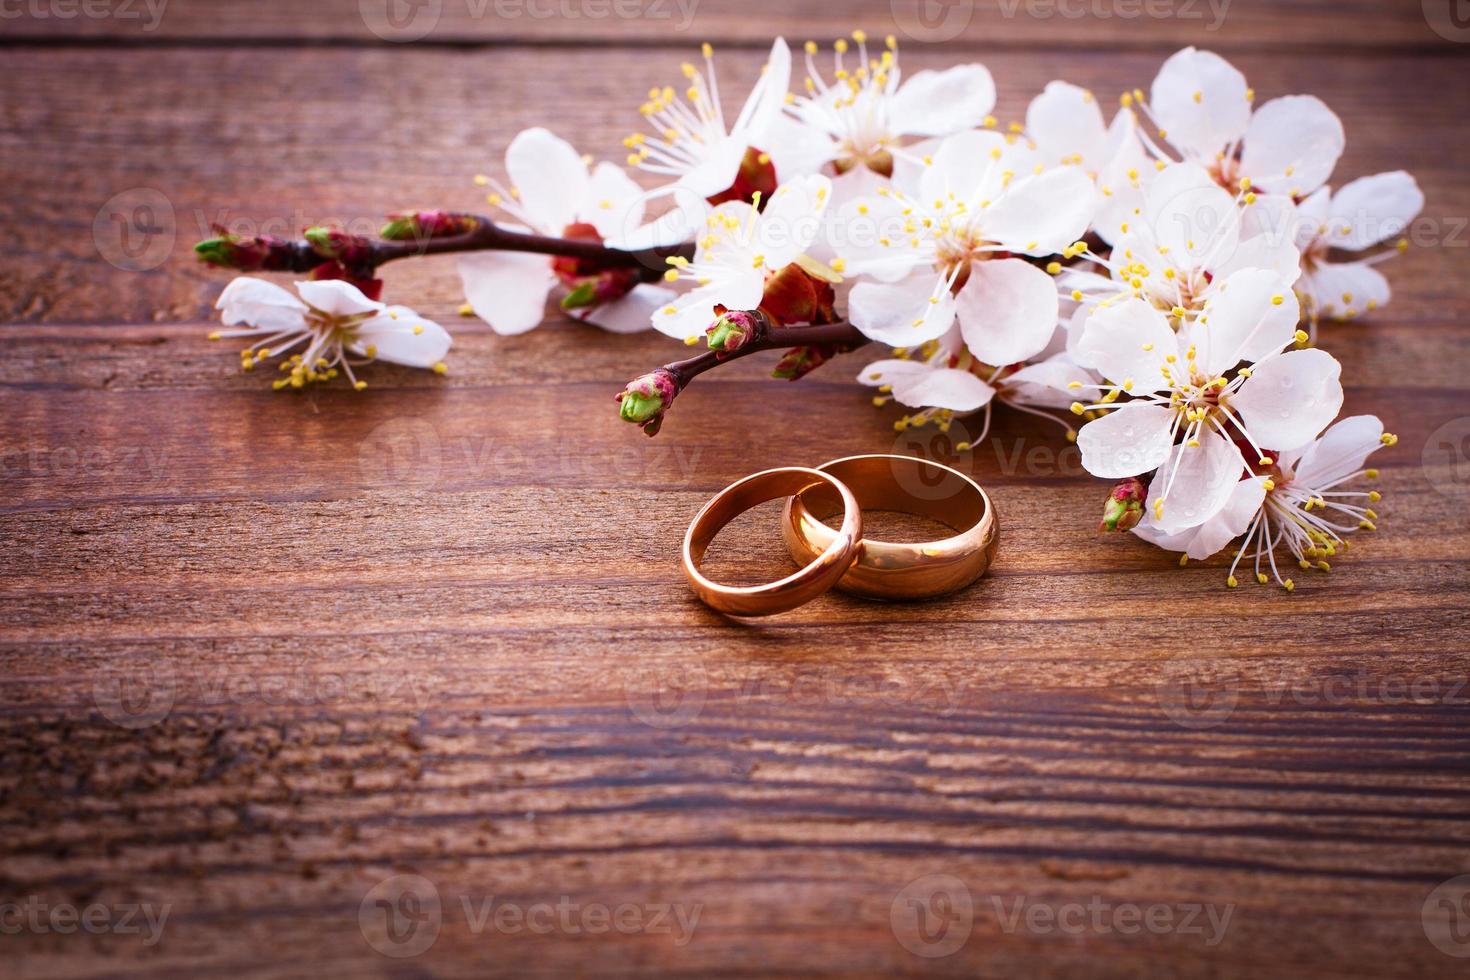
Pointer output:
886, 570
821, 569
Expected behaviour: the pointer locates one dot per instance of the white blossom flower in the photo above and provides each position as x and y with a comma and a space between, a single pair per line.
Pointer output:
1187, 413
1181, 247
692, 142
741, 247
1358, 216
946, 381
860, 122
553, 188
1067, 126
339, 327
1295, 501
946, 248
1201, 107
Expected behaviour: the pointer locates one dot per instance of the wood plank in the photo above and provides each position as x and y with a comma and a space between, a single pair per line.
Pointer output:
261, 652
365, 132
976, 23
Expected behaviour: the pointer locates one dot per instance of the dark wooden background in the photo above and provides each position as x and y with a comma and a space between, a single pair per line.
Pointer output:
261, 652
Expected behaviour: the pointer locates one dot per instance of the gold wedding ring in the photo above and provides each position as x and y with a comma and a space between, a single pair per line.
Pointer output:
820, 569
887, 570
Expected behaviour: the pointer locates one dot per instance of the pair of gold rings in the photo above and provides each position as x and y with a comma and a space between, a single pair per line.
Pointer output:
843, 557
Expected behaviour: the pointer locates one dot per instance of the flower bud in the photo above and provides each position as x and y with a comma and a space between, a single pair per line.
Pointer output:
420, 225
793, 295
590, 282
370, 287
264, 253
645, 400
1124, 507
732, 331
340, 246
798, 362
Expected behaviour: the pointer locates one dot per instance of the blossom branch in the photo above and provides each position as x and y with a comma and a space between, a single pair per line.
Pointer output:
645, 400
331, 254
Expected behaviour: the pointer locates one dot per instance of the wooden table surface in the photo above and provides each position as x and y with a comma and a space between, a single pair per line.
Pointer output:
334, 678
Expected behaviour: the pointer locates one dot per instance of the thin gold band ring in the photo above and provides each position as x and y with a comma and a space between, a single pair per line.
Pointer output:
888, 570
820, 570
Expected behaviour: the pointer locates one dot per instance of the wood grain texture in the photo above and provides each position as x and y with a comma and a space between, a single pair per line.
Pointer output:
685, 23
260, 653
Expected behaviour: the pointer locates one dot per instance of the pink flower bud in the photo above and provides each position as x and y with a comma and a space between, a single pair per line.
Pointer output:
645, 400
1124, 507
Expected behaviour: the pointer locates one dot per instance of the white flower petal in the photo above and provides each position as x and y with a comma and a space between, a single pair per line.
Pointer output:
767, 98
337, 298
1127, 341
1289, 398
958, 391
1273, 251
1045, 382
858, 231
678, 223
1190, 216
549, 175
933, 103
260, 304
892, 370
1199, 99
1371, 209
690, 314
962, 164
1342, 290
717, 168
1042, 214
507, 290
797, 149
792, 219
1007, 311
1208, 538
1340, 452
1128, 441
1292, 145
614, 201
1252, 314
632, 313
1195, 483
1066, 121
401, 336
886, 312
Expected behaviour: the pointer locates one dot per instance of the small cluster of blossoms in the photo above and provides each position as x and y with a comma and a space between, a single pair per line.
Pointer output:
1160, 274
1153, 282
